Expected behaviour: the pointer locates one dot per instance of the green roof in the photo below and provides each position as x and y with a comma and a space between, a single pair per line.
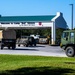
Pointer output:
26, 18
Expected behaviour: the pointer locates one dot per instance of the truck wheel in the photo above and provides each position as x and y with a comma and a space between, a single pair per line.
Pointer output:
18, 45
13, 46
70, 51
9, 47
1, 47
34, 44
27, 45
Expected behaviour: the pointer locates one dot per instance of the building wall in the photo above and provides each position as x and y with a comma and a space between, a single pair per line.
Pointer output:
61, 23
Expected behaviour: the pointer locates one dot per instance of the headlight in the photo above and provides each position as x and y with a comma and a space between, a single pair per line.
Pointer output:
60, 44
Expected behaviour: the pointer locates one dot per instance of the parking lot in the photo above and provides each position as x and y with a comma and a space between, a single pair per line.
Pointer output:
38, 50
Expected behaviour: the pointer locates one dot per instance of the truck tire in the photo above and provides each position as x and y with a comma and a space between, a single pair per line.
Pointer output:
34, 44
26, 45
8, 47
13, 47
70, 52
18, 45
1, 47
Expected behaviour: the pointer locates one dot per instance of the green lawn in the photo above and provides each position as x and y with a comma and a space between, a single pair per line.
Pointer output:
36, 65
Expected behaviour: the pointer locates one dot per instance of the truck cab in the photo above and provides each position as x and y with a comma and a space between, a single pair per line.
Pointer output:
68, 42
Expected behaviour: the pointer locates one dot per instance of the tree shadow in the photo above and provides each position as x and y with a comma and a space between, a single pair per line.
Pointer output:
38, 71
23, 49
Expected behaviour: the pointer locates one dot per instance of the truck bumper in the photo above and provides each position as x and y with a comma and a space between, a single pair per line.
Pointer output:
62, 46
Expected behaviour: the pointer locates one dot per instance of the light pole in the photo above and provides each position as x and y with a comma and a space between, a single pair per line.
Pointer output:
72, 16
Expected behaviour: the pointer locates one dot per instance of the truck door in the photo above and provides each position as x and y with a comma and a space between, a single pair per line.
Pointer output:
65, 38
72, 37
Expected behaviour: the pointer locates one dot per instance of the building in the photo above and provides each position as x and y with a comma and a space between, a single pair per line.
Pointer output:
28, 22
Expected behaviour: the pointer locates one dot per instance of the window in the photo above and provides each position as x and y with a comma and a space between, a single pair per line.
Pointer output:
65, 35
71, 34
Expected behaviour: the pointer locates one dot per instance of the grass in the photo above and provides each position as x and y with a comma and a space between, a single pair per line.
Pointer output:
36, 65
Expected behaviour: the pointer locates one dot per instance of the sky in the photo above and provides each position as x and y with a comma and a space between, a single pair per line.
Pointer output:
38, 7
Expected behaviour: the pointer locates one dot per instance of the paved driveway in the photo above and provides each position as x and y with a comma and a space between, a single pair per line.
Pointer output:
41, 50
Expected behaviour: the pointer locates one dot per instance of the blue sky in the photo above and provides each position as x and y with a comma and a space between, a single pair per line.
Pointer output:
37, 7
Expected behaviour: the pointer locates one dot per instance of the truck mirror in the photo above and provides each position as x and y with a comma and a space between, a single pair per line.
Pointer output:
66, 38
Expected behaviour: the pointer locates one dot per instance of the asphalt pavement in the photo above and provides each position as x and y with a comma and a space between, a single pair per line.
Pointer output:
39, 50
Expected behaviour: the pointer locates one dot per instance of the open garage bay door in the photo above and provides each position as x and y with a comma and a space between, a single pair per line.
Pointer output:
32, 25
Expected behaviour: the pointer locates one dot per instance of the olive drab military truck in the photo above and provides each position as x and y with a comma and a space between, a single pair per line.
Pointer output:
8, 38
68, 42
26, 41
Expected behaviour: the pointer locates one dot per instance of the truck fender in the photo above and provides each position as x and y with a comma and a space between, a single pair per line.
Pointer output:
73, 45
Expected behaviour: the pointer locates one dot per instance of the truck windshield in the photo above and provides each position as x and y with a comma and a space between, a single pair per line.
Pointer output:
65, 34
71, 34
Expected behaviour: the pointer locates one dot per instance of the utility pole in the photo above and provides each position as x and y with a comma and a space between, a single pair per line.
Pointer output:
72, 16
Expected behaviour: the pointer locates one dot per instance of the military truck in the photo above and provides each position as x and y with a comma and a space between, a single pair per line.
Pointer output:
26, 41
8, 38
68, 42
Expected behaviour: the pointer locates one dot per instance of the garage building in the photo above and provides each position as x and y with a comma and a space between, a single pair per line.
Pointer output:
28, 22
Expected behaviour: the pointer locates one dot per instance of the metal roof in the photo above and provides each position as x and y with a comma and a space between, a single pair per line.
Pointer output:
26, 18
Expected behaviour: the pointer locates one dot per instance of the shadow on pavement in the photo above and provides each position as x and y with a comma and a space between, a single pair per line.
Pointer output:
26, 49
